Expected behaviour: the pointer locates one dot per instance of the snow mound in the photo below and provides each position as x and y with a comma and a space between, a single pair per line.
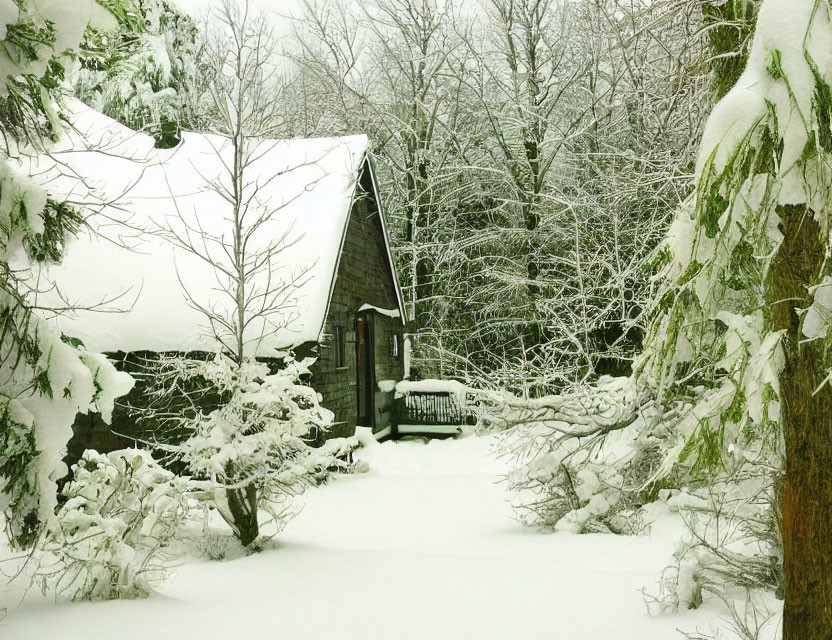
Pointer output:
472, 455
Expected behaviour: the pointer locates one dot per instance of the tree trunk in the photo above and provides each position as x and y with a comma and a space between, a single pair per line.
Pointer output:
807, 423
243, 506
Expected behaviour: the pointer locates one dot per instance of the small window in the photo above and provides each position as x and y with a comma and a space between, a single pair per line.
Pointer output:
340, 348
394, 345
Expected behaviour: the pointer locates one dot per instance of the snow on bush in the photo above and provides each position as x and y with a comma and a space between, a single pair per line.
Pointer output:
568, 478
122, 511
733, 540
251, 447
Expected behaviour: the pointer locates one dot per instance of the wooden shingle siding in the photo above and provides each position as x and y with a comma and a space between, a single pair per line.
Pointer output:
363, 277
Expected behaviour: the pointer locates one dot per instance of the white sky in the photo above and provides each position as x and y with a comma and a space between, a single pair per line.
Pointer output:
278, 8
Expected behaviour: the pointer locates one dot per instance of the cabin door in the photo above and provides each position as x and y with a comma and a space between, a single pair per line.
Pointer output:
365, 374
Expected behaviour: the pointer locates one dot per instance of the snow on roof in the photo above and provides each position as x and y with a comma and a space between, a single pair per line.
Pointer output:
308, 183
452, 387
390, 313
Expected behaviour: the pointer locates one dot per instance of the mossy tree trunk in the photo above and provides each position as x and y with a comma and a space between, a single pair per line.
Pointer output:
807, 420
806, 402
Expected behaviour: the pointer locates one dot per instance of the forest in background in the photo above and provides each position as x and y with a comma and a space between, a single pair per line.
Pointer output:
531, 154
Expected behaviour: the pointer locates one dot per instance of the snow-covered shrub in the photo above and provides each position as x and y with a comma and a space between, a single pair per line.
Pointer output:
247, 440
576, 468
732, 551
335, 456
733, 542
109, 539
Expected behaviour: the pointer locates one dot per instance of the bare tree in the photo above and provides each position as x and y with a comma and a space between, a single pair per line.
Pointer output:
243, 103
586, 114
240, 244
527, 87
532, 153
387, 66
632, 170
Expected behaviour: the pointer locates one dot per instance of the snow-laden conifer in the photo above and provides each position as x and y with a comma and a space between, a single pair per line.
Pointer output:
142, 74
45, 378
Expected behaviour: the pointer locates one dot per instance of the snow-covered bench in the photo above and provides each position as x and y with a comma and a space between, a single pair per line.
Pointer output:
434, 408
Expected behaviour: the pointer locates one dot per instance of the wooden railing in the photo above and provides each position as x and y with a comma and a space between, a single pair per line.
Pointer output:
429, 408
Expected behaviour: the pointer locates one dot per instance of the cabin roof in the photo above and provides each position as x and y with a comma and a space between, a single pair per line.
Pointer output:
129, 283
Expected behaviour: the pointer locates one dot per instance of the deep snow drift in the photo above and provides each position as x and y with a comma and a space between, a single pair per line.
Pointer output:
422, 546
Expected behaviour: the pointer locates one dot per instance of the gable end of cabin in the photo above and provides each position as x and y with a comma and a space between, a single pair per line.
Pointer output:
359, 348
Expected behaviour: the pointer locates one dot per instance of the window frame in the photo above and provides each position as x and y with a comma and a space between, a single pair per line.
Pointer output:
339, 344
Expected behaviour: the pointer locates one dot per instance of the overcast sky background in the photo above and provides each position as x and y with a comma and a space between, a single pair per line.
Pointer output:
278, 9
282, 10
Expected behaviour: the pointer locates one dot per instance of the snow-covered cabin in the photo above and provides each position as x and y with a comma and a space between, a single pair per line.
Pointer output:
344, 304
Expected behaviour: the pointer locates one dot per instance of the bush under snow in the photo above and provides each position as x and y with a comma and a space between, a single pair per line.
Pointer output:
249, 445
108, 541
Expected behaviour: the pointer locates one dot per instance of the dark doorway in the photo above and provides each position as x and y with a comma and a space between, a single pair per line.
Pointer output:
365, 372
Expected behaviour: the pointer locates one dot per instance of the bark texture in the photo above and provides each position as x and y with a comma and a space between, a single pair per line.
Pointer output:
807, 420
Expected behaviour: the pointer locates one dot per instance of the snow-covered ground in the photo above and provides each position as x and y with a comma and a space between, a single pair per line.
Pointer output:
422, 546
